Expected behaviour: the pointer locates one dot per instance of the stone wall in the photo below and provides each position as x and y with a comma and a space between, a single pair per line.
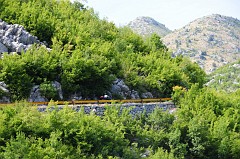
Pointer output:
136, 108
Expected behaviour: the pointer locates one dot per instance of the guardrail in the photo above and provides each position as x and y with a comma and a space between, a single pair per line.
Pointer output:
73, 102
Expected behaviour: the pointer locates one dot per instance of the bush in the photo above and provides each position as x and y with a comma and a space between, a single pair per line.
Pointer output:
47, 90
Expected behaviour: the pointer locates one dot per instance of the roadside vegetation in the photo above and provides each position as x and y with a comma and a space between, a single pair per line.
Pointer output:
205, 125
86, 54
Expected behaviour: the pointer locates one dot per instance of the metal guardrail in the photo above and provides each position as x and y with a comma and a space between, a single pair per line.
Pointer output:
74, 102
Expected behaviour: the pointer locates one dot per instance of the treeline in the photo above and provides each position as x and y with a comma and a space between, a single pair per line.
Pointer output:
205, 125
87, 53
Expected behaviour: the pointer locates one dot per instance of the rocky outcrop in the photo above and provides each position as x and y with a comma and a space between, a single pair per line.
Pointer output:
119, 88
35, 94
146, 26
147, 95
3, 48
4, 93
14, 38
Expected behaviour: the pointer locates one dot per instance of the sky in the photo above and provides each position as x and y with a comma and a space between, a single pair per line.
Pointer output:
174, 14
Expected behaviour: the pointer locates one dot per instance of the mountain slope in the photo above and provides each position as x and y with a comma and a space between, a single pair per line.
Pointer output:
211, 41
146, 26
226, 78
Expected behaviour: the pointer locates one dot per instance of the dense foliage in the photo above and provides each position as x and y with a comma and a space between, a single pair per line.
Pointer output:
226, 78
205, 125
87, 53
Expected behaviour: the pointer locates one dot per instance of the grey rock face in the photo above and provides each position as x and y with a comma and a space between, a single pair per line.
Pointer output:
76, 96
35, 95
147, 95
3, 88
3, 48
134, 94
121, 89
14, 38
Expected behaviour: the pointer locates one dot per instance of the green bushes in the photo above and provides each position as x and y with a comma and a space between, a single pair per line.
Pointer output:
87, 53
208, 119
27, 133
205, 125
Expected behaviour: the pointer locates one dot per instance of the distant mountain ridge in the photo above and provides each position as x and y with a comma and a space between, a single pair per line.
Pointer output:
211, 41
146, 26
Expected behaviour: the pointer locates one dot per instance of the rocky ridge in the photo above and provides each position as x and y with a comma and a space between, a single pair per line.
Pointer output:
211, 41
14, 38
146, 26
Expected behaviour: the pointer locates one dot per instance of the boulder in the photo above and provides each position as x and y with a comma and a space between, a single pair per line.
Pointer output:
35, 95
3, 89
76, 96
3, 48
119, 88
14, 38
147, 95
134, 95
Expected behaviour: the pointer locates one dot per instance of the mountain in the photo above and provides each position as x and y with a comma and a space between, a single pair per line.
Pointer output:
146, 26
211, 41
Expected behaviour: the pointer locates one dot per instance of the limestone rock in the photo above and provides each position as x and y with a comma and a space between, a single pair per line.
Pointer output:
134, 94
35, 95
76, 96
3, 48
121, 89
147, 95
3, 89
14, 38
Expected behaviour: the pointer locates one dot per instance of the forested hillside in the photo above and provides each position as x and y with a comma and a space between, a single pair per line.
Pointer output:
226, 78
87, 54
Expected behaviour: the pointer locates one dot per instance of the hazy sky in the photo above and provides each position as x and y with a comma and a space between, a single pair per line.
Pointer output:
173, 13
